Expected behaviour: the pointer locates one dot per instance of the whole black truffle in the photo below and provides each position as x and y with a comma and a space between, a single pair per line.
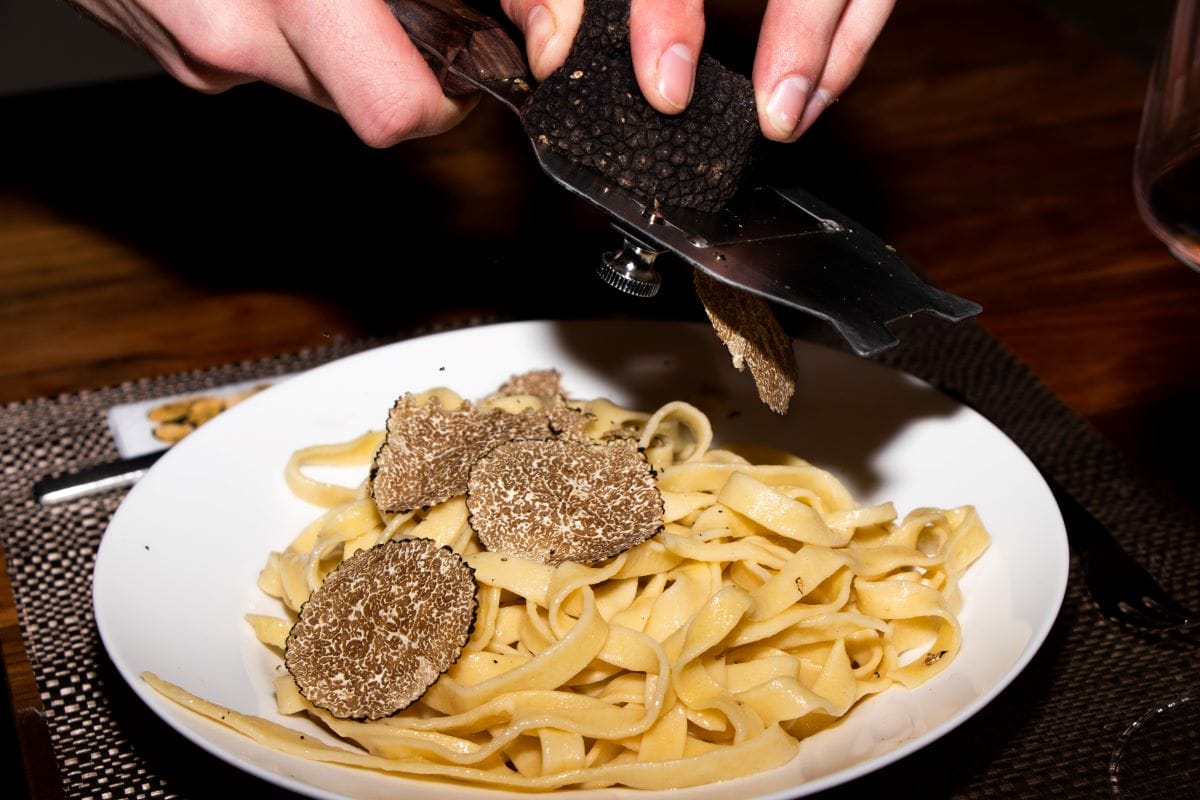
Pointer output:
592, 111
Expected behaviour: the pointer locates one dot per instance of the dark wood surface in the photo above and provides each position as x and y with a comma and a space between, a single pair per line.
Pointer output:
146, 229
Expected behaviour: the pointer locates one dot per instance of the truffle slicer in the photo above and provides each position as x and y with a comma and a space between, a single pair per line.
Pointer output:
780, 243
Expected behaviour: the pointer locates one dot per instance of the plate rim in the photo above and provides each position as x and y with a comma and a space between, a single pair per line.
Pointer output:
156, 703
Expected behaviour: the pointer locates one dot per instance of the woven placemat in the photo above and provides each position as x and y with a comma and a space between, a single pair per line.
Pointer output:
1049, 735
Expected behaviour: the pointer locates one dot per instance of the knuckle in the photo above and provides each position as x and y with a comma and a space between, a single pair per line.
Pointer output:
382, 119
808, 29
668, 8
515, 10
197, 76
667, 14
219, 43
840, 72
566, 9
852, 49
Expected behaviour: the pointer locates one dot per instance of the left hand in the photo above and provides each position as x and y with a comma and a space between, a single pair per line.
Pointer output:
809, 51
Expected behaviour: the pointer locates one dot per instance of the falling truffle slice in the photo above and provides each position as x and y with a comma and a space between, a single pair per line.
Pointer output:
429, 449
752, 334
560, 500
382, 628
592, 111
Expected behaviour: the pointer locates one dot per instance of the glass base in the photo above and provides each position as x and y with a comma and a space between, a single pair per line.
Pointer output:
1187, 261
1158, 756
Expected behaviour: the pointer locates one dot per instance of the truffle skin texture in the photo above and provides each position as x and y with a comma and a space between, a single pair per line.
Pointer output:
544, 384
427, 454
592, 111
382, 628
754, 338
561, 500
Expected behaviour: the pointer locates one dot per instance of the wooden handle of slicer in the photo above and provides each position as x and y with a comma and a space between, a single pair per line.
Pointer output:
462, 46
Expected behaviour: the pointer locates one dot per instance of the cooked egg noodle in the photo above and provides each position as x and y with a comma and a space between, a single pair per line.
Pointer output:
769, 605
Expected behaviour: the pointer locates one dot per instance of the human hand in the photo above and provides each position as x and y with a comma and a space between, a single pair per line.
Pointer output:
351, 56
809, 51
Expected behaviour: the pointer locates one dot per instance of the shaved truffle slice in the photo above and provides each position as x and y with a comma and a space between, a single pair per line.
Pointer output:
592, 111
427, 454
544, 384
754, 338
568, 423
561, 500
381, 629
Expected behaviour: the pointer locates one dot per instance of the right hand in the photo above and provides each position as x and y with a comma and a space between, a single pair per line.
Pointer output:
351, 56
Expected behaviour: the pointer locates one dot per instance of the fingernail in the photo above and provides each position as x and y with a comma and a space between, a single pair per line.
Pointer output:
787, 103
819, 101
540, 27
676, 72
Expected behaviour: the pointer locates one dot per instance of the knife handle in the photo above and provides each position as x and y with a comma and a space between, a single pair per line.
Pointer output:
465, 49
93, 480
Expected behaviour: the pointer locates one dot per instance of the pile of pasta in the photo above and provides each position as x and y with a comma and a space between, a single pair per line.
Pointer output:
769, 606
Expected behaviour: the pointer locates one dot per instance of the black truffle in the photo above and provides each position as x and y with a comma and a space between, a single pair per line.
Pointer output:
559, 500
428, 452
382, 628
592, 111
546, 386
754, 338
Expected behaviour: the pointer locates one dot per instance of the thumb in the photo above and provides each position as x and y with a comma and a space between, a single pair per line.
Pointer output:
549, 27
665, 38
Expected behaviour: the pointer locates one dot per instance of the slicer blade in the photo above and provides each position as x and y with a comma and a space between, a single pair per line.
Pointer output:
785, 245
779, 243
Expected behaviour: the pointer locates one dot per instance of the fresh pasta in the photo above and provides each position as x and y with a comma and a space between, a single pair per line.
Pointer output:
769, 604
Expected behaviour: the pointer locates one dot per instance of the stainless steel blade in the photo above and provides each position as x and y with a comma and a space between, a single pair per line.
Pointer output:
779, 243
782, 244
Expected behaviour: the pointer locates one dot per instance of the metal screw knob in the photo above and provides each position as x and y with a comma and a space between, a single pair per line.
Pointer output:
631, 269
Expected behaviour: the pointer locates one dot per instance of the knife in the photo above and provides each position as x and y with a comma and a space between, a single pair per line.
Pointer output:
777, 242
134, 428
105, 477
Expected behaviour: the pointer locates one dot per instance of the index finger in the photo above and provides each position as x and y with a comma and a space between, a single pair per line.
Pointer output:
665, 38
372, 71
809, 52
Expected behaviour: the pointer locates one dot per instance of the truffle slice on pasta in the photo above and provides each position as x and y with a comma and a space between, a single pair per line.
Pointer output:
544, 386
427, 454
382, 628
562, 500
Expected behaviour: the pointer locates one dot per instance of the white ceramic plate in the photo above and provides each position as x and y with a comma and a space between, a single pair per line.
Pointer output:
176, 569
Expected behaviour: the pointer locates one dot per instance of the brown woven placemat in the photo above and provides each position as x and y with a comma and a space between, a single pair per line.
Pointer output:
1049, 735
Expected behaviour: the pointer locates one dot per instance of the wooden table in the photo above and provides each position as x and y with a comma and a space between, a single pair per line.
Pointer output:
146, 229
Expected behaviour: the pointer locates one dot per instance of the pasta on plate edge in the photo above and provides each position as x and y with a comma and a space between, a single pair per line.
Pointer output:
769, 605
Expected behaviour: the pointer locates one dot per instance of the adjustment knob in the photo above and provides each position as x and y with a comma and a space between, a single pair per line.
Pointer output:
631, 269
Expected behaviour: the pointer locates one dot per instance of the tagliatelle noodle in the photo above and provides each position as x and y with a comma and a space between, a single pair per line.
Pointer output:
769, 605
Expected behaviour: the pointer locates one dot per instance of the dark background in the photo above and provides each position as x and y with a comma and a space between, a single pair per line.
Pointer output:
254, 191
